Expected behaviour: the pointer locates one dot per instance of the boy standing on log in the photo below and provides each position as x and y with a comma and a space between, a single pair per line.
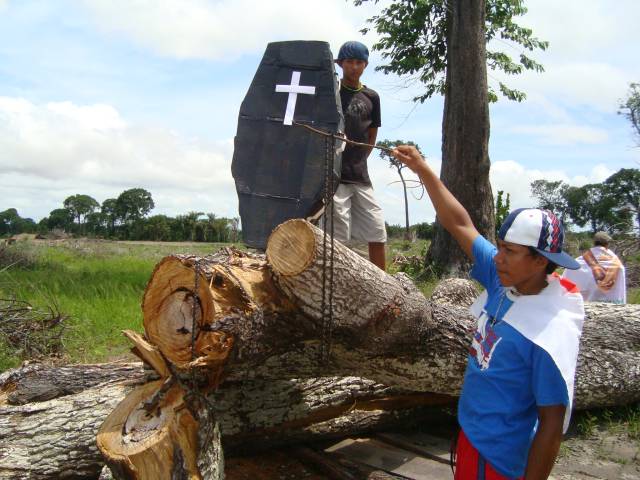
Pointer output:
516, 397
357, 214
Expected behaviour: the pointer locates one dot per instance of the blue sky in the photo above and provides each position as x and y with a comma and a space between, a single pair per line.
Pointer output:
97, 96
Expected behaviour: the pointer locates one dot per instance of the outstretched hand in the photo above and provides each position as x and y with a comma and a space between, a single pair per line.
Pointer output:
409, 155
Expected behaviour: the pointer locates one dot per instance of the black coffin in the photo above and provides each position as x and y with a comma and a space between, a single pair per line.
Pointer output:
278, 166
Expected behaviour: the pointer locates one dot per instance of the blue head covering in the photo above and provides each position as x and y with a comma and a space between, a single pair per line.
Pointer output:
353, 50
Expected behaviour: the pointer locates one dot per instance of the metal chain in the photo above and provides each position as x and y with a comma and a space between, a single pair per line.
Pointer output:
326, 307
332, 158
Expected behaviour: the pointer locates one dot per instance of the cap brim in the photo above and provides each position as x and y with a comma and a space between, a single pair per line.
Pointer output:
561, 259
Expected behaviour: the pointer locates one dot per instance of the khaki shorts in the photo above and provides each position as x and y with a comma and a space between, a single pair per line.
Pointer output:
357, 215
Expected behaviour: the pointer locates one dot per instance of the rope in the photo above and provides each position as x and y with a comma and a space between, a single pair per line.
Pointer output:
341, 138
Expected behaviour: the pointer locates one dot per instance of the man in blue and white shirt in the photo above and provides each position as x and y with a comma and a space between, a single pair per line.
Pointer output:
517, 393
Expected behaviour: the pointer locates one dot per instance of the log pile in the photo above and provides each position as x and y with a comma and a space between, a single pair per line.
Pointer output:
232, 348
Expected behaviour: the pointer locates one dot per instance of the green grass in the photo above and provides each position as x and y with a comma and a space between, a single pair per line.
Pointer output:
624, 419
633, 295
98, 284
413, 254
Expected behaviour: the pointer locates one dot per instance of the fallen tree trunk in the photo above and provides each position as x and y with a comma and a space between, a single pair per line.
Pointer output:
56, 438
232, 317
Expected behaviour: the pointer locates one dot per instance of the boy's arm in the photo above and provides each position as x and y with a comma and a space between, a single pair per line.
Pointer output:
546, 443
451, 214
372, 134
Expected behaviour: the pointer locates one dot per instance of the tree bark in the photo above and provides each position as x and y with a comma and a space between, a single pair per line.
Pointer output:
56, 438
465, 133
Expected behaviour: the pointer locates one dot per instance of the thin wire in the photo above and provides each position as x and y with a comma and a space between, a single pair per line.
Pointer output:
342, 139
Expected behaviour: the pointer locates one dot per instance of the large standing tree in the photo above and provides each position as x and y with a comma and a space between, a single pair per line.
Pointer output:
442, 44
60, 218
109, 210
593, 205
551, 196
11, 222
80, 206
630, 108
625, 186
134, 204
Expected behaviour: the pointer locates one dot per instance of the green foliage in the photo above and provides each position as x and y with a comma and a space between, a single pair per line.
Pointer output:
630, 108
125, 218
98, 284
587, 424
424, 230
60, 218
408, 257
608, 206
625, 186
595, 206
12, 223
109, 211
413, 40
624, 419
502, 209
133, 204
551, 196
80, 206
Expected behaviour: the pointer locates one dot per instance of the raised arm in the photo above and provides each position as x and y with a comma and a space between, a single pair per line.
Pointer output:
451, 214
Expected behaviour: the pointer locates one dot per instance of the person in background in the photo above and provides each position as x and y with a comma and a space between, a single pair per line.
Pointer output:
357, 214
601, 277
517, 391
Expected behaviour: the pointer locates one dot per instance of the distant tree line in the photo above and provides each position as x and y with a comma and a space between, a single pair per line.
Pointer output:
612, 205
12, 223
124, 218
422, 230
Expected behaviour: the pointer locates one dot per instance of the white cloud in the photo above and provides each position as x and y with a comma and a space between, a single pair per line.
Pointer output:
594, 84
564, 134
589, 59
515, 179
576, 28
66, 148
225, 29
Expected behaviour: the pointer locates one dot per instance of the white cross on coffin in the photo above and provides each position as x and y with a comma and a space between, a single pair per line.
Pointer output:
293, 90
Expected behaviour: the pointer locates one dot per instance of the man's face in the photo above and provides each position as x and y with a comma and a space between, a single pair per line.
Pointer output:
518, 267
352, 69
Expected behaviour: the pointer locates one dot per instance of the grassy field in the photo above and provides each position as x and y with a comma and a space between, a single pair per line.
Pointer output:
99, 284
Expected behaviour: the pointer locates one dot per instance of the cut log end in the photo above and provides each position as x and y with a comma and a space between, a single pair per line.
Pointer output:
138, 442
291, 247
169, 306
